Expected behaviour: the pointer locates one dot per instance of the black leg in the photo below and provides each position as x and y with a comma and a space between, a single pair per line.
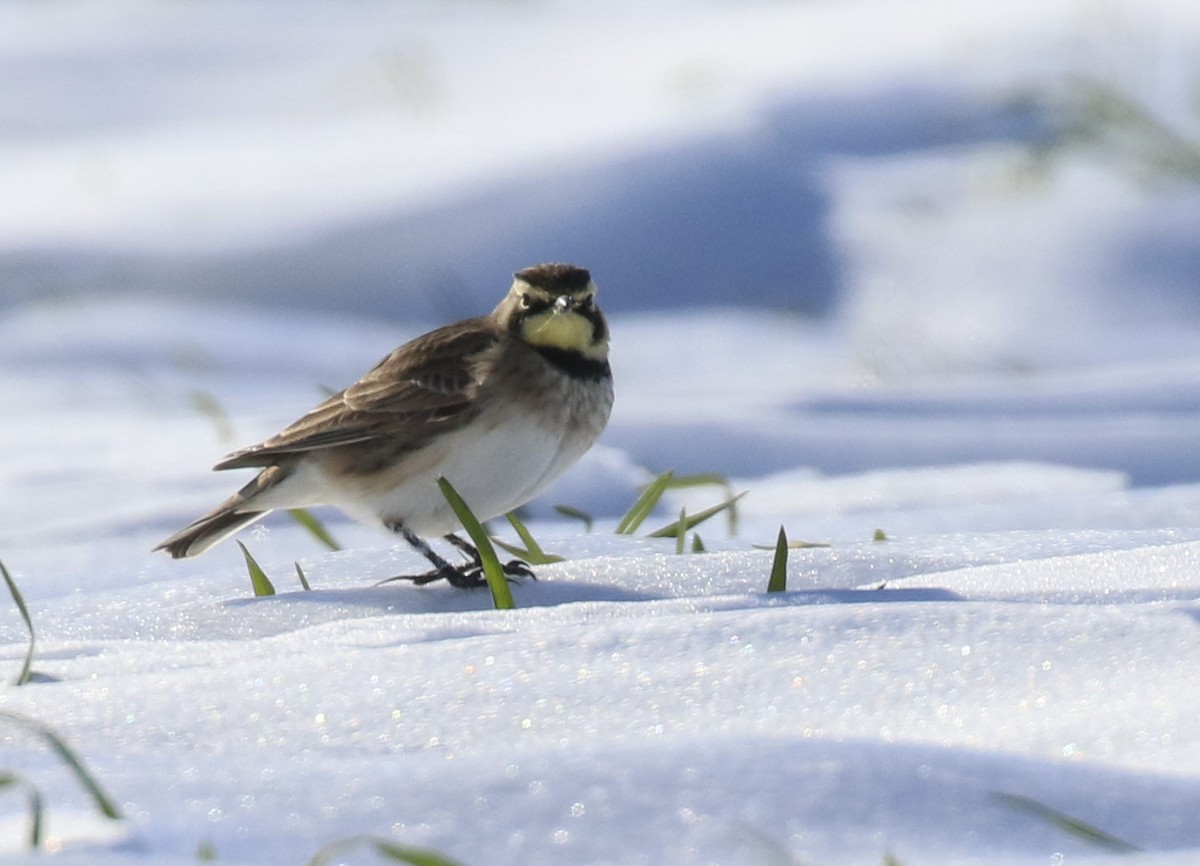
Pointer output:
512, 568
463, 577
442, 570
467, 548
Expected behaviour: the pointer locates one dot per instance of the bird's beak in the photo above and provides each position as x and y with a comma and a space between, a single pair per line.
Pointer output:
563, 303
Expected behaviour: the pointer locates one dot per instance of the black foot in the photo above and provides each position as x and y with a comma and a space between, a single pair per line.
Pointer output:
514, 568
470, 576
466, 578
518, 568
514, 572
460, 578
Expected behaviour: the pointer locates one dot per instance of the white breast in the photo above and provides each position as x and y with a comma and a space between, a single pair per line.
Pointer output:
495, 470
498, 462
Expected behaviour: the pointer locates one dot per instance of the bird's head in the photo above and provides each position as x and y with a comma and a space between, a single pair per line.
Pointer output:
553, 306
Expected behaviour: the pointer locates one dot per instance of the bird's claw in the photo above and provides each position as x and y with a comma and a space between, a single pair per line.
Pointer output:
467, 578
462, 579
515, 570
518, 568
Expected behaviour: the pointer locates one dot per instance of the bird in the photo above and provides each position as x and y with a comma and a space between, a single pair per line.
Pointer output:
499, 405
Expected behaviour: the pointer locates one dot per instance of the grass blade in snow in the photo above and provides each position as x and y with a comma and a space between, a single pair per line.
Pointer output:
644, 504
396, 853
703, 479
672, 529
315, 527
26, 668
532, 553
576, 514
492, 570
103, 802
258, 578
1072, 826
778, 581
37, 808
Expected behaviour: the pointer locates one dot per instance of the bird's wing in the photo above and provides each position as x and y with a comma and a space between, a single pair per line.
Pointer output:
425, 386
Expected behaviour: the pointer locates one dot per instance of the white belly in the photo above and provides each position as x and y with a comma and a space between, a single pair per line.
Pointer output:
494, 472
498, 462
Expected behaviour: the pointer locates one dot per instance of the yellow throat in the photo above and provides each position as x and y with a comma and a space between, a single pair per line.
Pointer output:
563, 329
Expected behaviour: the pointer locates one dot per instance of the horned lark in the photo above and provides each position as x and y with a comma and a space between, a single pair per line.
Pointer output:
500, 405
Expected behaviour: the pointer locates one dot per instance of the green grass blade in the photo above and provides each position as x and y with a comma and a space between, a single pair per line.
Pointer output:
796, 545
314, 526
778, 581
1072, 826
698, 544
102, 801
524, 534
699, 479
681, 528
19, 600
672, 529
393, 851
37, 816
533, 553
258, 577
492, 570
576, 514
37, 806
527, 555
413, 856
709, 479
303, 579
644, 504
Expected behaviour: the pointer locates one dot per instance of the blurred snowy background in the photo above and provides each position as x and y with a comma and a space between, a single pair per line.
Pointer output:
960, 186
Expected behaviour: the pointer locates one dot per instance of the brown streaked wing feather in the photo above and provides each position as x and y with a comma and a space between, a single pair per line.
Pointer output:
427, 381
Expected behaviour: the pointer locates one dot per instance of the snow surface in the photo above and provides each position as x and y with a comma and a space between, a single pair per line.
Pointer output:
898, 267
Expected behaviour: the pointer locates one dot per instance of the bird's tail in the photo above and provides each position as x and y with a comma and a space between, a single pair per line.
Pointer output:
235, 513
214, 527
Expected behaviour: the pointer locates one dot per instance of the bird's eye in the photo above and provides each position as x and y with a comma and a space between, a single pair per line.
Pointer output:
526, 301
584, 303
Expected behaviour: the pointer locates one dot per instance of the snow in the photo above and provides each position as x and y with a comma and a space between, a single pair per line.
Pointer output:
887, 267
